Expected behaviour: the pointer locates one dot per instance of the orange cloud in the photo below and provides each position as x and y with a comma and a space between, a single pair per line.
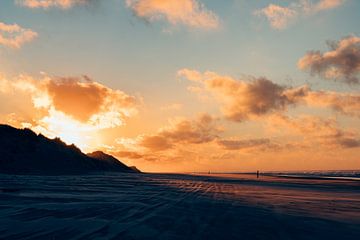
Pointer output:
20, 103
323, 131
201, 130
78, 99
90, 102
193, 139
246, 99
187, 12
86, 100
190, 144
279, 17
155, 143
128, 154
72, 108
243, 100
176, 142
238, 144
342, 62
15, 36
64, 4
345, 103
181, 141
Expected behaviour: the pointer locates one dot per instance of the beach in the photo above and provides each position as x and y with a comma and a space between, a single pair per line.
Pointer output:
178, 206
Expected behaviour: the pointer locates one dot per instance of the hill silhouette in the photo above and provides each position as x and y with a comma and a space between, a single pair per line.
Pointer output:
24, 152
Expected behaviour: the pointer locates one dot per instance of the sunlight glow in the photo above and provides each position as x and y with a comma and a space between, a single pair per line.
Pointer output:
69, 130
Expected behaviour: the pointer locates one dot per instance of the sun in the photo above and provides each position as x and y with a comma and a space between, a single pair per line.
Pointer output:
71, 131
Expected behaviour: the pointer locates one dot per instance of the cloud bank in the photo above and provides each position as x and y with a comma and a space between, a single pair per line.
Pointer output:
326, 132
251, 99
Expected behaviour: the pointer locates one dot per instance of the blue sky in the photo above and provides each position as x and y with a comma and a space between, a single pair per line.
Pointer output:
108, 42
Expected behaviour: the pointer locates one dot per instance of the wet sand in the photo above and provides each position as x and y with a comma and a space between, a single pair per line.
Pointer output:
176, 206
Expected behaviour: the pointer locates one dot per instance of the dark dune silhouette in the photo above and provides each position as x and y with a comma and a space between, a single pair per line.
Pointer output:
24, 152
110, 159
134, 168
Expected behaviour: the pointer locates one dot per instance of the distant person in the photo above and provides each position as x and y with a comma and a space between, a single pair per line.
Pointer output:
257, 174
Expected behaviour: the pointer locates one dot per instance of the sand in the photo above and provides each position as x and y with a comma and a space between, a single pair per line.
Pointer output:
177, 206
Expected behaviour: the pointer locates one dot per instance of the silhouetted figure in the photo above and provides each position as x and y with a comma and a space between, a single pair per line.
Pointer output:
257, 174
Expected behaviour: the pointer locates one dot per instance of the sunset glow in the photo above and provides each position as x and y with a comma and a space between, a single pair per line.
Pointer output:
183, 86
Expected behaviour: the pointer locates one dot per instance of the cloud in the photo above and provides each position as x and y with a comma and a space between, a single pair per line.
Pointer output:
86, 100
190, 13
156, 143
238, 144
201, 130
344, 103
14, 36
280, 17
128, 154
310, 7
64, 4
349, 142
315, 129
243, 100
341, 63
21, 102
78, 99
69, 107
180, 140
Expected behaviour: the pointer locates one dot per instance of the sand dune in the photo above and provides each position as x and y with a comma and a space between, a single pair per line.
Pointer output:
166, 206
22, 151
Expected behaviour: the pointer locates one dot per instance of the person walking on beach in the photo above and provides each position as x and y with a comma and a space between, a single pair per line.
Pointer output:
257, 174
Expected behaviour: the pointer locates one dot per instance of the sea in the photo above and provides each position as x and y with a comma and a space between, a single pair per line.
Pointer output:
316, 174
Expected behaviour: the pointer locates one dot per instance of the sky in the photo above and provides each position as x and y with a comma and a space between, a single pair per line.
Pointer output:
188, 85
